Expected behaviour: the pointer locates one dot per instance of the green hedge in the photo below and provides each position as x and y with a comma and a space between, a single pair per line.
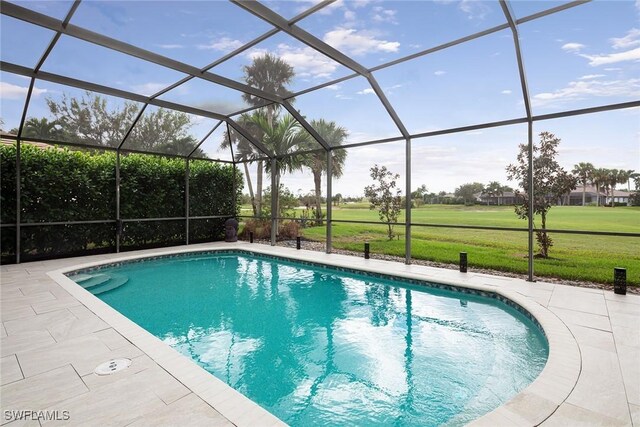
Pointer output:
65, 185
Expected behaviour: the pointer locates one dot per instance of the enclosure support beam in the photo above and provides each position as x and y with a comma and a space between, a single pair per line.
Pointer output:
329, 200
530, 189
18, 207
235, 175
186, 200
118, 222
508, 13
18, 168
407, 220
274, 201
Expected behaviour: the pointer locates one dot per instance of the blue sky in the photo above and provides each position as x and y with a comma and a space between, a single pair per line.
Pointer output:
582, 57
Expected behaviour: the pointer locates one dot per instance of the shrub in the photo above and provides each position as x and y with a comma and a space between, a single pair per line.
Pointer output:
73, 185
261, 229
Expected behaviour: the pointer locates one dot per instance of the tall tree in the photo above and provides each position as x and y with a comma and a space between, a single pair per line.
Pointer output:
164, 131
90, 119
583, 171
550, 182
270, 74
384, 195
334, 135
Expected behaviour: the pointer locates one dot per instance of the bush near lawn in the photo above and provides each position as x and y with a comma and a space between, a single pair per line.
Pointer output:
71, 185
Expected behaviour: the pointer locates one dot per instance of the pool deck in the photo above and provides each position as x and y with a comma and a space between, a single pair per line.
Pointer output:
54, 333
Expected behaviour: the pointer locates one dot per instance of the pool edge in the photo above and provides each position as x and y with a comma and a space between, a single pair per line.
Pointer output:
532, 406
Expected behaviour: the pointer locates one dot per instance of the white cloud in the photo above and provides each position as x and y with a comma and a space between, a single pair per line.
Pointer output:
613, 58
630, 40
380, 15
333, 87
588, 88
343, 96
591, 76
149, 88
306, 61
329, 9
10, 91
506, 92
358, 43
225, 44
440, 73
349, 15
474, 9
367, 91
572, 47
171, 46
613, 69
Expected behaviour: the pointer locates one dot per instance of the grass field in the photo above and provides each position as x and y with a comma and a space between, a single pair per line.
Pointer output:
575, 257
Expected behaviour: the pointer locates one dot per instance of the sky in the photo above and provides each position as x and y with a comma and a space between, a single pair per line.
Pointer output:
582, 57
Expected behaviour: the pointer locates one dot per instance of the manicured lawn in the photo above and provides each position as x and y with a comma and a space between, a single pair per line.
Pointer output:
576, 257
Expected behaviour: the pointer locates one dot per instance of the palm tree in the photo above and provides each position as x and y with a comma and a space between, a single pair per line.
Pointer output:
583, 172
245, 153
493, 189
285, 137
599, 180
612, 181
317, 161
41, 128
270, 74
625, 176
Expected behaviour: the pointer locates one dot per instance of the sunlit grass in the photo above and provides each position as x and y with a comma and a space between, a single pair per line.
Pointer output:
574, 257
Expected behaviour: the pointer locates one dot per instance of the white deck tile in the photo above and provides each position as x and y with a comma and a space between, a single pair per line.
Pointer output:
164, 387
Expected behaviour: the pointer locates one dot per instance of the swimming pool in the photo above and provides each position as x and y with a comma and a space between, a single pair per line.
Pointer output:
315, 345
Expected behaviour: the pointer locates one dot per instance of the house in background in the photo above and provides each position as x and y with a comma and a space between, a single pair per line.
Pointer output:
619, 196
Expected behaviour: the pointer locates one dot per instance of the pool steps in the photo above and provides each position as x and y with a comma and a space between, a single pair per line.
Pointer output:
100, 283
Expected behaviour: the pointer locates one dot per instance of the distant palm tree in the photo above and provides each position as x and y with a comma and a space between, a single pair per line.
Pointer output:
493, 189
625, 176
599, 179
41, 129
334, 135
272, 75
583, 172
612, 180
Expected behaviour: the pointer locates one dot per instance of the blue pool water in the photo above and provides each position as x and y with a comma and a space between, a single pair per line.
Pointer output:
317, 346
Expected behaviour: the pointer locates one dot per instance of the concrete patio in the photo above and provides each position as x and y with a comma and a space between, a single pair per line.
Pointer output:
51, 342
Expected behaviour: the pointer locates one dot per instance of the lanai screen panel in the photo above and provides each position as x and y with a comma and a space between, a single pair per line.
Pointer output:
208, 96
13, 34
307, 67
62, 113
14, 95
193, 32
583, 57
470, 83
352, 105
374, 33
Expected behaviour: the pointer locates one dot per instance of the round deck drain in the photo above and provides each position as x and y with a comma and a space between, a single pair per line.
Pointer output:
112, 366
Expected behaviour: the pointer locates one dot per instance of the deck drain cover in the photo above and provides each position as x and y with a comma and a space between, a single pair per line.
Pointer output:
112, 366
